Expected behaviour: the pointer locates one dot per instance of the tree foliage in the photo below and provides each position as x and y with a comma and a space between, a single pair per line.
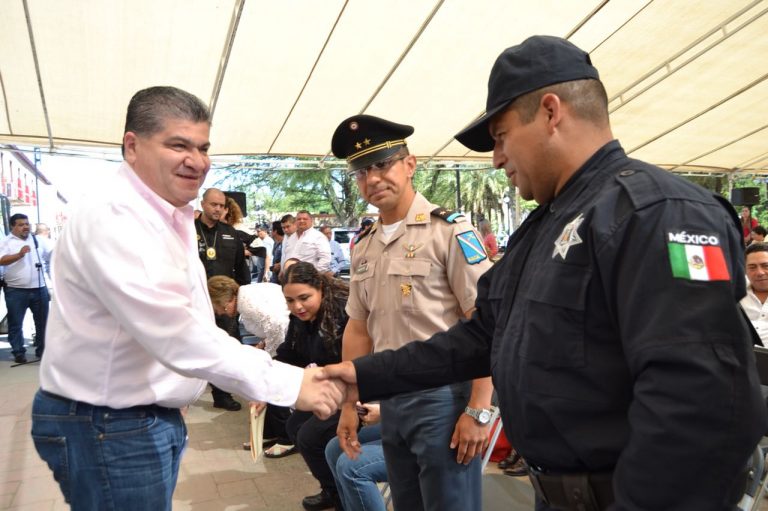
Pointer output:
279, 185
286, 185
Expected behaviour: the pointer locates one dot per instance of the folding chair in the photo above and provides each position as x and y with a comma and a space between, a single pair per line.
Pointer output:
496, 427
757, 479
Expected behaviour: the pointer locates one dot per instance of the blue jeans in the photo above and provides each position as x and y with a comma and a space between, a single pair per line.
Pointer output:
416, 430
107, 459
17, 301
356, 479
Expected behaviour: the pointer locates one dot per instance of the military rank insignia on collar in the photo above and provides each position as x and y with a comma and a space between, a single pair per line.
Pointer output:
471, 247
569, 237
696, 256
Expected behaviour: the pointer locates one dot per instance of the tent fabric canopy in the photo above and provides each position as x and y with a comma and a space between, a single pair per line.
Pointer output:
686, 80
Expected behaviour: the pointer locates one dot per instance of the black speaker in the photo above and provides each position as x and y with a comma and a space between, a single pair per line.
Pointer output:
240, 199
745, 196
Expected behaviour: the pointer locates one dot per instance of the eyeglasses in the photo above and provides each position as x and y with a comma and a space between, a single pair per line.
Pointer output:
381, 166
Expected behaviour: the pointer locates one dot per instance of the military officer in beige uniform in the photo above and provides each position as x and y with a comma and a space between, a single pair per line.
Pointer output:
413, 275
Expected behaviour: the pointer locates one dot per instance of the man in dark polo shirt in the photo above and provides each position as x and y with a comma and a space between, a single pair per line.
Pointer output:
222, 253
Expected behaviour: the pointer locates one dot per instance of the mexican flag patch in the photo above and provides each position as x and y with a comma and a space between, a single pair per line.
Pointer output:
700, 258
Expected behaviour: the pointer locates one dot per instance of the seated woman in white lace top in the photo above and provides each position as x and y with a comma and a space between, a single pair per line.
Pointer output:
261, 307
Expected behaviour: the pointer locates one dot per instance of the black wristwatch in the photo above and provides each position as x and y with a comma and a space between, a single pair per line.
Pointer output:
481, 415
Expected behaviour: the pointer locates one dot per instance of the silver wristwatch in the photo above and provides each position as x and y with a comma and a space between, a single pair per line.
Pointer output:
481, 415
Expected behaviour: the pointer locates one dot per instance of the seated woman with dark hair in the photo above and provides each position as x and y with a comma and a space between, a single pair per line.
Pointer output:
316, 326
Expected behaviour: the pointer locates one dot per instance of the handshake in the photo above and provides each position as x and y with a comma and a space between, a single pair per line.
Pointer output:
324, 389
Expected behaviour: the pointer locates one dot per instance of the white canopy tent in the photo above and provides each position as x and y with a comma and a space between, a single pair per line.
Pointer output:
686, 79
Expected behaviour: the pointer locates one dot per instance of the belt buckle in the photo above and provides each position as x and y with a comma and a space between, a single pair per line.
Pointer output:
533, 476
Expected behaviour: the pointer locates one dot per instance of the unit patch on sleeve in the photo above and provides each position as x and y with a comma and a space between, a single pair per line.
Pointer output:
696, 257
471, 247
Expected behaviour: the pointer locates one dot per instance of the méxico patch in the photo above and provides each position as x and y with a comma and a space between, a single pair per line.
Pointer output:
696, 257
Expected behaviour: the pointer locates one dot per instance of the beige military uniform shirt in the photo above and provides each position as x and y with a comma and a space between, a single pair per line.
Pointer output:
418, 283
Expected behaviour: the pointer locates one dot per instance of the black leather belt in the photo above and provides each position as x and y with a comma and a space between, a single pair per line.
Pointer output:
573, 492
82, 404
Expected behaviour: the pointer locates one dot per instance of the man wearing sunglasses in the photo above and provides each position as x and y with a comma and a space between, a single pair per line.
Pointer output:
414, 274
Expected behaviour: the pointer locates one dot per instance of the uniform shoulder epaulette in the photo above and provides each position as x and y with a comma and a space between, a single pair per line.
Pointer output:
448, 215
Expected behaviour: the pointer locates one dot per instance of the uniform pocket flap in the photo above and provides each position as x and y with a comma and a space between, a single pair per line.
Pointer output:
409, 267
562, 286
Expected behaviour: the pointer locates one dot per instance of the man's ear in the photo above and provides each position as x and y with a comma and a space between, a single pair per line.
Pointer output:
129, 147
410, 163
553, 109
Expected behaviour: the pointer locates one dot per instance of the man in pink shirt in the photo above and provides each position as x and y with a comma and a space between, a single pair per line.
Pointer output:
128, 348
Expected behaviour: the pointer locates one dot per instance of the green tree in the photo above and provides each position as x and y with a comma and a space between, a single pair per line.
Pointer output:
290, 184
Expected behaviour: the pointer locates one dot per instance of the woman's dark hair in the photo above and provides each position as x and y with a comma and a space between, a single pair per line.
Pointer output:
334, 298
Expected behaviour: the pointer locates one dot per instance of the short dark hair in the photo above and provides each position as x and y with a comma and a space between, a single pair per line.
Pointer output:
759, 229
150, 108
17, 216
277, 227
287, 218
305, 212
756, 247
587, 99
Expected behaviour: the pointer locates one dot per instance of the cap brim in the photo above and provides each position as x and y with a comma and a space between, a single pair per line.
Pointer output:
477, 135
374, 157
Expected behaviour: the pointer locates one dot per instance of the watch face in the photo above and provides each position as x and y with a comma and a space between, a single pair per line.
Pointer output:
485, 416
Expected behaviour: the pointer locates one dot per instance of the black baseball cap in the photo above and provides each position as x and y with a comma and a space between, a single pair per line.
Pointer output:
537, 62
365, 139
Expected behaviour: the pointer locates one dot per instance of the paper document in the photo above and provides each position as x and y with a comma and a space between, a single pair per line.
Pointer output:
257, 432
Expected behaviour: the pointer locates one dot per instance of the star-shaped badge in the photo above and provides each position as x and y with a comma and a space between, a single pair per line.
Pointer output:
569, 237
358, 145
367, 141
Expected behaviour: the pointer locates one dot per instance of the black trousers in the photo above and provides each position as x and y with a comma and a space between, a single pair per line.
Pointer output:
275, 422
310, 435
232, 327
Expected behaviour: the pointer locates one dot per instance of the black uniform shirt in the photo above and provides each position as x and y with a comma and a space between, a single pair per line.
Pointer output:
608, 351
230, 255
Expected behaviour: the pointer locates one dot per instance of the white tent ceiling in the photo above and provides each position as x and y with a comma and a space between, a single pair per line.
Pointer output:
686, 79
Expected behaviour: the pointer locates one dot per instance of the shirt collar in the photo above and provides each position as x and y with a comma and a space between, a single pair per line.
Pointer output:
597, 161
420, 211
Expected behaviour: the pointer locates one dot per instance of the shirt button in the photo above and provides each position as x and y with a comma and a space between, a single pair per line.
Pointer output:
625, 173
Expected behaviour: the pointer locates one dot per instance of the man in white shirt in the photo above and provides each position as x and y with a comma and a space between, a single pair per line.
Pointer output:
128, 348
754, 304
308, 244
288, 224
24, 259
265, 262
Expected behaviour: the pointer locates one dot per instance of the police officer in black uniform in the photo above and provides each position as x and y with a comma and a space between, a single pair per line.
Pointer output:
222, 253
611, 326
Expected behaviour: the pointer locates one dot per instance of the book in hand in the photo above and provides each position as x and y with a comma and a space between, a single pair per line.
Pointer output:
257, 431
